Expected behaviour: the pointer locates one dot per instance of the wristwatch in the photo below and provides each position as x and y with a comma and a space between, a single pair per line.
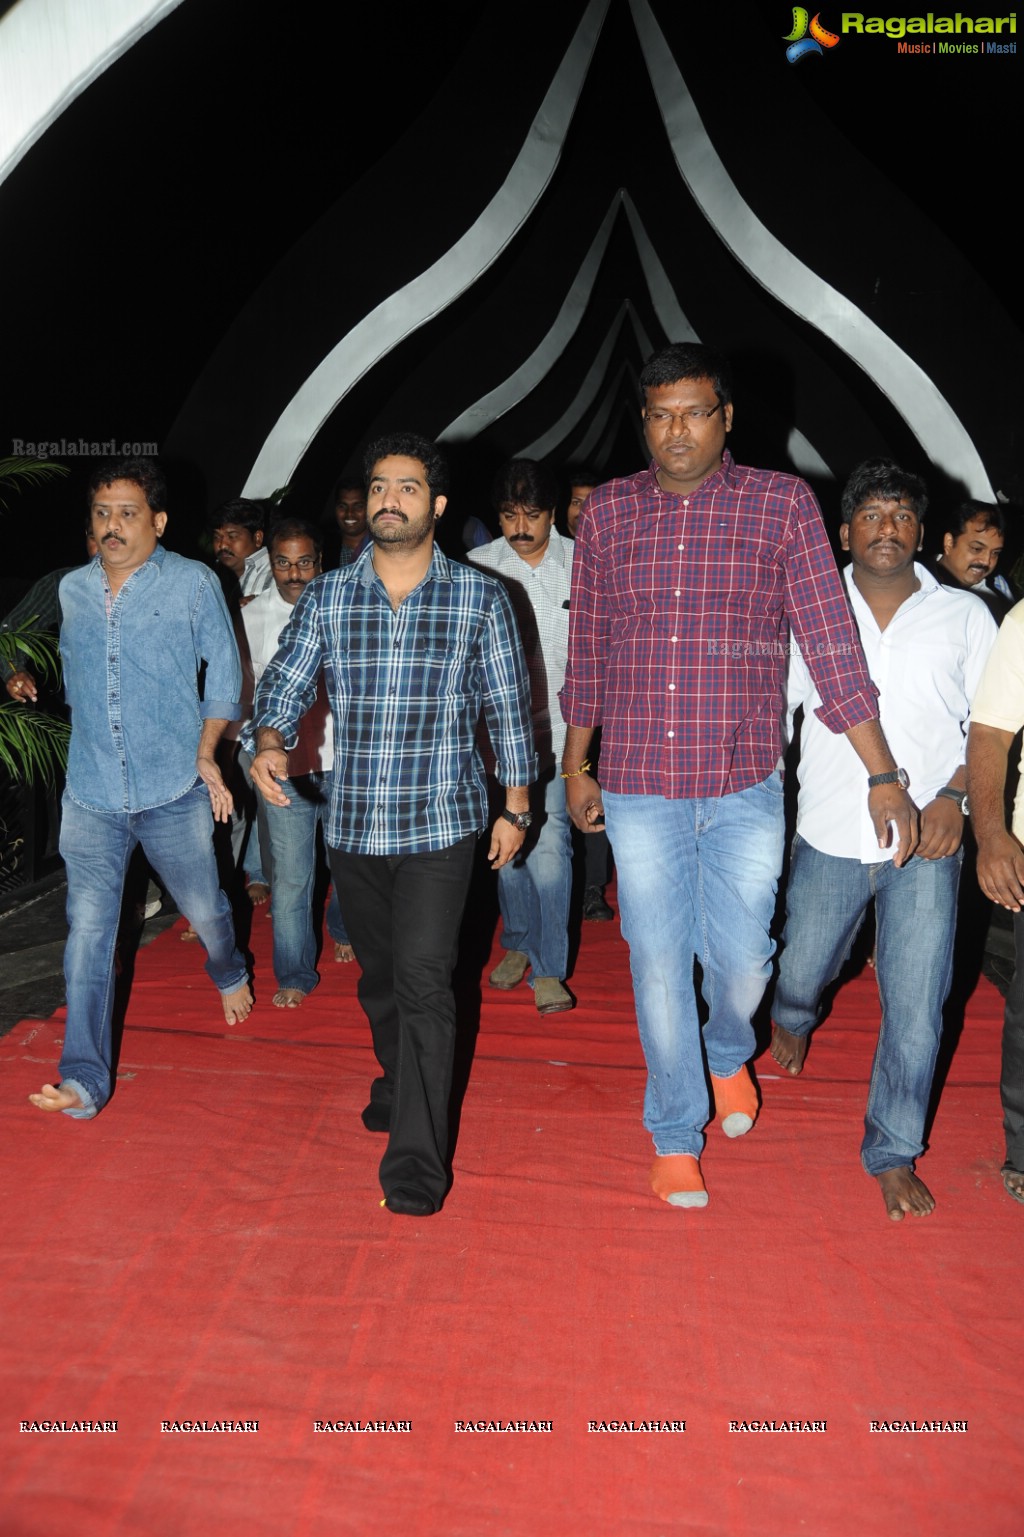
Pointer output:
895, 777
960, 796
520, 819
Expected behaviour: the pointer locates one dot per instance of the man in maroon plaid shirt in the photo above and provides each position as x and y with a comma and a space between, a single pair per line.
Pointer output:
689, 579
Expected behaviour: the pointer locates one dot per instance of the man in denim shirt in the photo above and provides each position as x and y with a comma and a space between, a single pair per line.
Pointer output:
138, 625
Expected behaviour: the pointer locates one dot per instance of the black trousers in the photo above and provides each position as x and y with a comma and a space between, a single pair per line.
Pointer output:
403, 913
1011, 1085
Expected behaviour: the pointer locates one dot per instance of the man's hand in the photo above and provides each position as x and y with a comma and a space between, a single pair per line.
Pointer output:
889, 803
506, 841
1001, 870
584, 804
22, 687
942, 829
221, 802
269, 771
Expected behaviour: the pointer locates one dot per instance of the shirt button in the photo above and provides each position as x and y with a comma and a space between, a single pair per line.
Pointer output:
673, 638
671, 687
680, 546
679, 592
671, 733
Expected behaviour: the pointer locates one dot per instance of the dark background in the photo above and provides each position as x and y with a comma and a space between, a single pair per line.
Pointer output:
205, 222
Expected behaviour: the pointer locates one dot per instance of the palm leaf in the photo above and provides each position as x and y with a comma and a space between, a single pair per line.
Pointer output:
33, 745
17, 472
37, 647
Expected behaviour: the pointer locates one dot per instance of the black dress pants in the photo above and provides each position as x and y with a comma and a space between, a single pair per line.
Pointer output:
403, 913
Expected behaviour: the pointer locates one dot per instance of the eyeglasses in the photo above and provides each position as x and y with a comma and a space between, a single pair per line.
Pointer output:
307, 563
696, 416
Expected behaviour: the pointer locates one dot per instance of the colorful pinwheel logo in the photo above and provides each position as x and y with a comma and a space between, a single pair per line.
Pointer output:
808, 36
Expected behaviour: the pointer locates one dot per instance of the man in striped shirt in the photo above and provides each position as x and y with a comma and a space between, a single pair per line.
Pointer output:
413, 648
688, 579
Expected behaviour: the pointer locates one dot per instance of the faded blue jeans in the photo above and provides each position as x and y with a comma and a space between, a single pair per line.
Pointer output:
293, 851
96, 846
915, 919
533, 889
696, 880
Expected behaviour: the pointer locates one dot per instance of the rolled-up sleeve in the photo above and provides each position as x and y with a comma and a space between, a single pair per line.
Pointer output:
506, 694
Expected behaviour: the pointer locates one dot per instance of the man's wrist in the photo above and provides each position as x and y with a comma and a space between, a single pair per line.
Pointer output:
270, 740
517, 798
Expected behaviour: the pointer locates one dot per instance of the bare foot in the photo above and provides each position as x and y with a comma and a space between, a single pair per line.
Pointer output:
789, 1050
1013, 1184
343, 952
54, 1098
189, 936
237, 1005
287, 998
258, 892
904, 1193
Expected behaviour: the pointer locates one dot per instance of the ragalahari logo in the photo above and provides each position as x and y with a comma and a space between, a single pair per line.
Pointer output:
808, 36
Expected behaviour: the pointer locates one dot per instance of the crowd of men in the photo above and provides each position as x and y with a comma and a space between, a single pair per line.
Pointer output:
687, 623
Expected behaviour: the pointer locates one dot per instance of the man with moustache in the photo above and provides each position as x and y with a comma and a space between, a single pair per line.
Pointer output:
295, 556
237, 530
535, 564
926, 647
688, 579
138, 625
971, 548
413, 647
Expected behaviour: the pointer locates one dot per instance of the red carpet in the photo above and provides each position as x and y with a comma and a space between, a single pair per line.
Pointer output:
212, 1249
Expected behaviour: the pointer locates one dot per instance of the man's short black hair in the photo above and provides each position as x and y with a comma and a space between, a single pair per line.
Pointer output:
295, 528
525, 483
580, 475
687, 360
989, 514
884, 479
144, 473
349, 483
410, 445
240, 511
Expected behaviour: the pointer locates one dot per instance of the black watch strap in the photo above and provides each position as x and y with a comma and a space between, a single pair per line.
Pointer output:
894, 777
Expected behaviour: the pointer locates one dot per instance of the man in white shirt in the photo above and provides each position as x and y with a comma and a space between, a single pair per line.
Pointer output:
997, 715
295, 556
535, 564
925, 646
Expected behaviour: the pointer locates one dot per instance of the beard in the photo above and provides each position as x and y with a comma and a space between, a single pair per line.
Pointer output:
406, 535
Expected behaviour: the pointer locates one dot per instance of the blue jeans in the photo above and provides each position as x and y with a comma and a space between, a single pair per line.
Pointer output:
915, 917
533, 891
96, 846
696, 879
292, 835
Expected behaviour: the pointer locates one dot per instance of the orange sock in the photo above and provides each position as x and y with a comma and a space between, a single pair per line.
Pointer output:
735, 1102
676, 1178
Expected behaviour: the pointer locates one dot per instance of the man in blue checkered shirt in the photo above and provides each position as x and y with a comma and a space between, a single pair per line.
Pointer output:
413, 648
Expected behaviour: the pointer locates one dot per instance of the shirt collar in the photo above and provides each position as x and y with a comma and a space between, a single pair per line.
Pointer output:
438, 571
97, 573
724, 475
927, 584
